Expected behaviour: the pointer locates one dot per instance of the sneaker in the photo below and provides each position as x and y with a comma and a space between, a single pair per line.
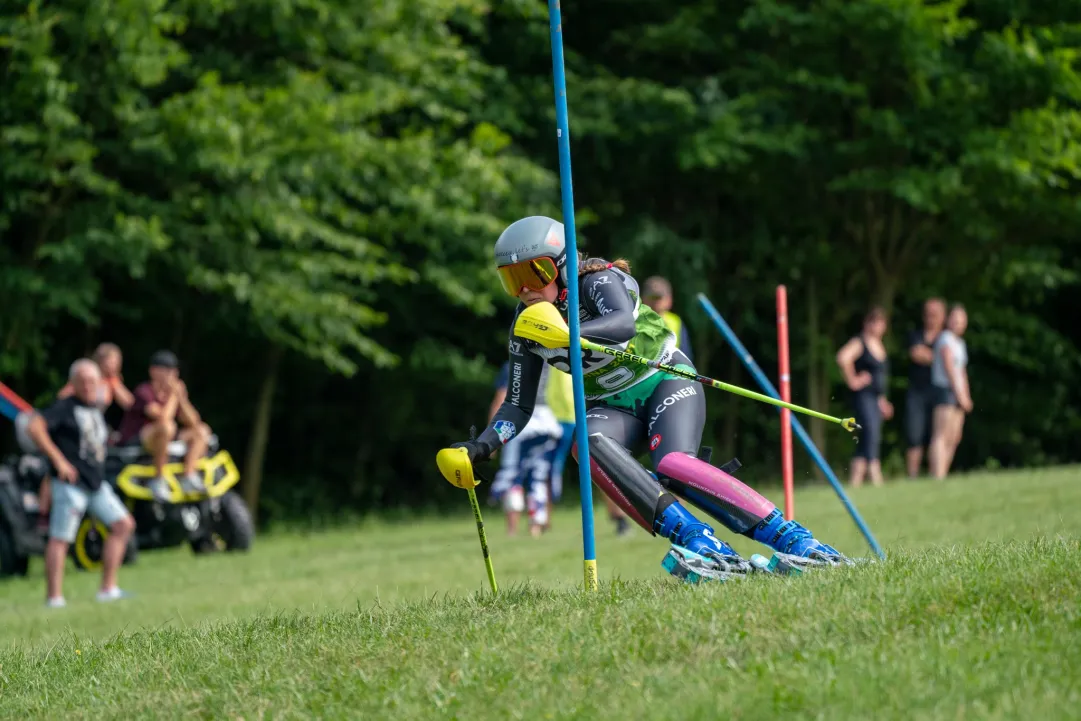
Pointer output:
160, 488
192, 483
57, 602
113, 594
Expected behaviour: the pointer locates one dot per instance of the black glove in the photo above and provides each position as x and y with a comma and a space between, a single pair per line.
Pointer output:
476, 451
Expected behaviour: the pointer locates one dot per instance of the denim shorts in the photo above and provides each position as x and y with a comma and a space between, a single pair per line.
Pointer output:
71, 502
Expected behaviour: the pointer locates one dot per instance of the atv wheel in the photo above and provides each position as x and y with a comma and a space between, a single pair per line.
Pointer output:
90, 542
234, 523
11, 563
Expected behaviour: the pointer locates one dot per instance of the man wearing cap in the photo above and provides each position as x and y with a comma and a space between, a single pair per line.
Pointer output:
152, 421
657, 294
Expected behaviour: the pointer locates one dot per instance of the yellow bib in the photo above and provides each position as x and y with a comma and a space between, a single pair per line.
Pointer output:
560, 395
674, 323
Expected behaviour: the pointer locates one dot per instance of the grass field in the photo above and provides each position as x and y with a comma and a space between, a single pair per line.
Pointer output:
976, 615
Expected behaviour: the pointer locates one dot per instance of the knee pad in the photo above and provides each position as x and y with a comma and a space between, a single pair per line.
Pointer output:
731, 502
514, 500
626, 482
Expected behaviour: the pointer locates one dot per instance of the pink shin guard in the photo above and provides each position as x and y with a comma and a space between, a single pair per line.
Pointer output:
725, 498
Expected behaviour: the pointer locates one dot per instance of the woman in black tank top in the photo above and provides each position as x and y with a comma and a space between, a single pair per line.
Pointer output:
865, 367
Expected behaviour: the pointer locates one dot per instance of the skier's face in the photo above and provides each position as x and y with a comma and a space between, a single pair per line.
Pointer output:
547, 295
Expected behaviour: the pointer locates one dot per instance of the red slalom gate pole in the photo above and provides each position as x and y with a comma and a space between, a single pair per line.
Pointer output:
786, 396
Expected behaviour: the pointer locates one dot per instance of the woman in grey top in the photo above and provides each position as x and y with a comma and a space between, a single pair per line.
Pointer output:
949, 375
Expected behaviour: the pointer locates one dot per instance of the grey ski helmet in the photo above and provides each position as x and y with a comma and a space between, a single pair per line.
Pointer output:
530, 238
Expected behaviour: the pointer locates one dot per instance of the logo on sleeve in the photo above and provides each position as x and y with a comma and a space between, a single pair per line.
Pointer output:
516, 385
515, 347
601, 280
505, 430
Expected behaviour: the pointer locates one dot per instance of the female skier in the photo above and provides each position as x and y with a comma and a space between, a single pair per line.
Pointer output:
629, 404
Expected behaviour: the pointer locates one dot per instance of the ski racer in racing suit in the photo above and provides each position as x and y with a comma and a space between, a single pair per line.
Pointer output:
631, 405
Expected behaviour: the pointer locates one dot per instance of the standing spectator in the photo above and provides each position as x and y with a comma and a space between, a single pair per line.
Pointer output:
921, 397
865, 368
72, 434
949, 374
561, 401
526, 457
657, 294
111, 390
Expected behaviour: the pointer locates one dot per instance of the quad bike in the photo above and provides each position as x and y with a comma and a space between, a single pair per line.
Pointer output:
211, 520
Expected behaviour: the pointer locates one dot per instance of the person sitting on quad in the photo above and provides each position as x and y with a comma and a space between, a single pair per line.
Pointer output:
72, 434
152, 422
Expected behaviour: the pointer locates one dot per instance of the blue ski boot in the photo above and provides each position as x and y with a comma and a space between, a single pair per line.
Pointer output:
796, 548
696, 554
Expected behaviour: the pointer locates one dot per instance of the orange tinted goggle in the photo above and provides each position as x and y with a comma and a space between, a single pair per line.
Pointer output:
536, 274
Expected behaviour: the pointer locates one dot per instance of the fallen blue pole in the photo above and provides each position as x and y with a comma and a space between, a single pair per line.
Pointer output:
767, 387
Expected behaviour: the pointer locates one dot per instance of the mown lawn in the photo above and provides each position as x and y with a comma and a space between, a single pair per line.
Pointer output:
975, 615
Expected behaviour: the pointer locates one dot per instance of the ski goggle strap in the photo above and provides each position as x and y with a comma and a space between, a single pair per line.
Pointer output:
536, 274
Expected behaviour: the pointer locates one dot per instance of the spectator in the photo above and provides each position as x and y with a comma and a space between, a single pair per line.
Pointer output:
526, 459
921, 397
865, 368
657, 294
112, 390
949, 374
561, 401
72, 434
161, 406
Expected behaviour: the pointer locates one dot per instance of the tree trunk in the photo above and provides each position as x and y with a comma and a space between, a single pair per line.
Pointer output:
260, 430
885, 291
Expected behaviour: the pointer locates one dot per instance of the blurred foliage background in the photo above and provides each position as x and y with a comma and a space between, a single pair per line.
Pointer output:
299, 197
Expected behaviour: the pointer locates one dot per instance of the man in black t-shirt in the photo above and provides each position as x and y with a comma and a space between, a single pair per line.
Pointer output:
72, 433
920, 400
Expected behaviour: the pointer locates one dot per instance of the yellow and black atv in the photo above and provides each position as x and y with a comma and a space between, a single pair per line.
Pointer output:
210, 520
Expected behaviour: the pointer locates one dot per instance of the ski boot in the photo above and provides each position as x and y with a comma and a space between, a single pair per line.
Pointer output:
696, 554
796, 548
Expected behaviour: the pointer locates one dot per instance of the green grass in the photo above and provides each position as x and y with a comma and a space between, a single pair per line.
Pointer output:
975, 615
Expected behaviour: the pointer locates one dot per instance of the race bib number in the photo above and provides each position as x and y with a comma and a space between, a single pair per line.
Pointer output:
616, 378
591, 360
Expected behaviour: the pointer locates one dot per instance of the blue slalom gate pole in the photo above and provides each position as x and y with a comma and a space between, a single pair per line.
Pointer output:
563, 137
767, 387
